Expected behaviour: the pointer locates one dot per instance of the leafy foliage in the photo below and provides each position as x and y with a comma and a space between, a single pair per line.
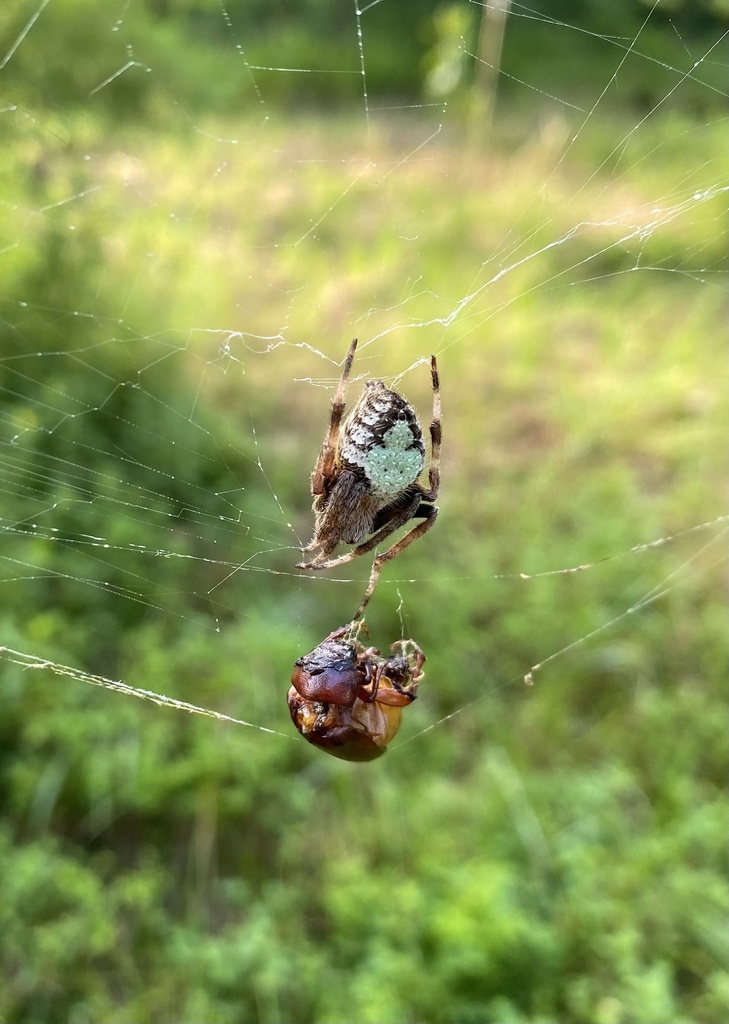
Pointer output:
186, 63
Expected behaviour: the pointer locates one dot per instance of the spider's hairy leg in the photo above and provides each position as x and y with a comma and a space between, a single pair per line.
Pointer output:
325, 463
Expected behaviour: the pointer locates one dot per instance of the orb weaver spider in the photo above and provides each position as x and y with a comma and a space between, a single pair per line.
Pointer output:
366, 477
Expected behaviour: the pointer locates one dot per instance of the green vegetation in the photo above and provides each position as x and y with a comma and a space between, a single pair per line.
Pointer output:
552, 854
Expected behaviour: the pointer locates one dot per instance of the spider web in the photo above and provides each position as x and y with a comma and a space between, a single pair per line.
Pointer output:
175, 316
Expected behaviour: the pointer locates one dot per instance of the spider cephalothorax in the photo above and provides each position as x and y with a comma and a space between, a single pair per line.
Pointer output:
366, 477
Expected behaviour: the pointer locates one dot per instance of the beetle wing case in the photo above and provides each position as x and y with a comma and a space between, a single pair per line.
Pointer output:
361, 732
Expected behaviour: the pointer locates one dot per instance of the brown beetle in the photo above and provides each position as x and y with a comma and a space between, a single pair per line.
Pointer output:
347, 699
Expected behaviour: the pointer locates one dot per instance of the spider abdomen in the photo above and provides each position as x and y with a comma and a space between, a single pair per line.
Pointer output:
382, 437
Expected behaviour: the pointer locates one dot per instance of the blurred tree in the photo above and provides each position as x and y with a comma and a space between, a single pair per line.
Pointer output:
175, 54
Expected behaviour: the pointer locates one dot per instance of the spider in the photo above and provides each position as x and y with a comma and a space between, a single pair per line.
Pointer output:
366, 477
347, 699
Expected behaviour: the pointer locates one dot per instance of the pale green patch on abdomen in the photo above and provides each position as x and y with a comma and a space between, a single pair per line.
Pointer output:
393, 465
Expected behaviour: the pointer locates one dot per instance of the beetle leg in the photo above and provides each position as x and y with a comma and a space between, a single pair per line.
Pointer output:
368, 691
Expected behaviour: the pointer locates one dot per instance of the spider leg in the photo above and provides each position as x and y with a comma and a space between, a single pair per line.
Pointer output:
325, 463
435, 437
320, 560
418, 531
396, 517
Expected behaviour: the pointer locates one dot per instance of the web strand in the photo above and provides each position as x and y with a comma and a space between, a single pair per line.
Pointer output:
172, 316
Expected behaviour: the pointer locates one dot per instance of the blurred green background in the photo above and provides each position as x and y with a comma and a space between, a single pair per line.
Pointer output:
189, 240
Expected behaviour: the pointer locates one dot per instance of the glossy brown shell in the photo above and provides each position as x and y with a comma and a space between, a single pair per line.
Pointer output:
348, 700
330, 673
361, 732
